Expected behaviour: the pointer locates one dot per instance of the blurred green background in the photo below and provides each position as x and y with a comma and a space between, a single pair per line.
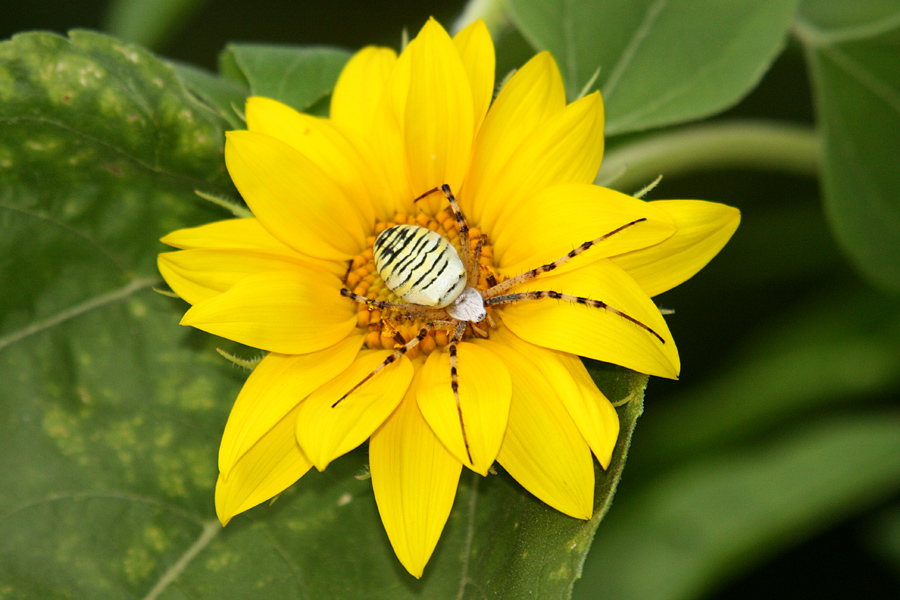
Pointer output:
770, 469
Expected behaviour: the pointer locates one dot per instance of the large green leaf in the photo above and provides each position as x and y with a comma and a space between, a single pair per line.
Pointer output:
837, 16
839, 348
101, 148
661, 62
716, 516
852, 51
112, 413
297, 76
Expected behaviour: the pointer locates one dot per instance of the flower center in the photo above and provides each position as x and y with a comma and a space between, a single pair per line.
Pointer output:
389, 329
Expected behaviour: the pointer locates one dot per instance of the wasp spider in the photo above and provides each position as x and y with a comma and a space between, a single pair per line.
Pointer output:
423, 268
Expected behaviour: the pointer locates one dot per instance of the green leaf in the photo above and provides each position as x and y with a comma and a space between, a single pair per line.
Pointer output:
522, 548
660, 62
112, 421
148, 23
296, 76
100, 152
837, 16
226, 97
851, 50
719, 515
838, 348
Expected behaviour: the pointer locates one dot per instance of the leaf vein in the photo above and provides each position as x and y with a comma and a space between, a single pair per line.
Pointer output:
123, 292
814, 35
850, 150
865, 77
105, 494
286, 557
684, 86
107, 254
209, 532
640, 35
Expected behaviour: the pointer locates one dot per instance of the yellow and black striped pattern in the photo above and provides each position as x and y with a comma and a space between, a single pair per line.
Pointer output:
419, 265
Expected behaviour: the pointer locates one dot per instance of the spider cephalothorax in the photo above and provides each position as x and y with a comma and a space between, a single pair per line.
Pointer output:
438, 286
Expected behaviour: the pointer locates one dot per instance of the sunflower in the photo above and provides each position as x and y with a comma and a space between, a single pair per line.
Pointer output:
299, 281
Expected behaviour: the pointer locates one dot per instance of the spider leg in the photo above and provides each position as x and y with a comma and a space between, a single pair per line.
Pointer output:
409, 310
529, 275
474, 270
520, 296
460, 220
454, 382
397, 354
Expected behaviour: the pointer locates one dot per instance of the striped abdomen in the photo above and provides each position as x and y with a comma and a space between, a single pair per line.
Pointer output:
419, 265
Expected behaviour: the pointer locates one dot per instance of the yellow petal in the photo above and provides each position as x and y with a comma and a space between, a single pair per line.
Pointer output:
703, 229
244, 234
200, 274
293, 198
293, 312
476, 48
533, 95
230, 234
547, 225
439, 120
484, 395
325, 431
396, 92
565, 149
414, 479
543, 449
596, 332
383, 145
277, 385
362, 107
322, 143
358, 91
268, 468
592, 413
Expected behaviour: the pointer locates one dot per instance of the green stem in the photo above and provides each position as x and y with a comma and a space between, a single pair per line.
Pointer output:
738, 144
492, 12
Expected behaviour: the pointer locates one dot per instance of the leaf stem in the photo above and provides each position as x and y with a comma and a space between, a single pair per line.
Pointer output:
763, 145
493, 12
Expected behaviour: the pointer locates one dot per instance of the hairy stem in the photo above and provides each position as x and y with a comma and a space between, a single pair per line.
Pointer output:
738, 144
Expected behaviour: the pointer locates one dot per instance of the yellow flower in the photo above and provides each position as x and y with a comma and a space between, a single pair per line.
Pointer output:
522, 169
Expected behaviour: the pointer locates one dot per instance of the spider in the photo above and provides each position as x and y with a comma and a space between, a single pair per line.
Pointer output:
424, 269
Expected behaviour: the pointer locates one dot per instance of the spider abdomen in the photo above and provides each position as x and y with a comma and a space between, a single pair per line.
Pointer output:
419, 265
